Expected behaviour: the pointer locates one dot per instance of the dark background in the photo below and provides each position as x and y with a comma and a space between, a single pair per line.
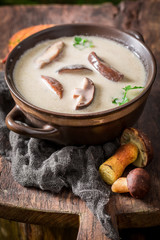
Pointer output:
12, 2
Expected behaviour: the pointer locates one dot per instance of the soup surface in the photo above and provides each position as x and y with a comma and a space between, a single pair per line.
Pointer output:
28, 80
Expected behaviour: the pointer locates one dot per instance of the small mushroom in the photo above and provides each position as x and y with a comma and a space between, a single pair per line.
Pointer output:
73, 68
143, 143
85, 94
55, 85
104, 69
137, 183
49, 54
129, 152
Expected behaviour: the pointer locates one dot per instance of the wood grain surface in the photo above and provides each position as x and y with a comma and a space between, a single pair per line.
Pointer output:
65, 210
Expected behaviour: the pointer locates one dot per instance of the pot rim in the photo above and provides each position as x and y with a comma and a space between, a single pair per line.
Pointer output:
80, 115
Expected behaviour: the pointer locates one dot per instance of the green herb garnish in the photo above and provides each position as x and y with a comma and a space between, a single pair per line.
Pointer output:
124, 99
82, 43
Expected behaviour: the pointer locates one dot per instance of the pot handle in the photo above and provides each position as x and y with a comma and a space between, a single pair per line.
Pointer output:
23, 129
136, 34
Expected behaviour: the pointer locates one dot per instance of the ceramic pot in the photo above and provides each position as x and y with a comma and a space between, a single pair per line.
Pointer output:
75, 129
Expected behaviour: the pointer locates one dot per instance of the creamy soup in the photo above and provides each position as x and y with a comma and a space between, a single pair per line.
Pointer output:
28, 80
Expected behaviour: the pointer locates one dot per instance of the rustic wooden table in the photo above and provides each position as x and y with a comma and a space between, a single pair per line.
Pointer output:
65, 211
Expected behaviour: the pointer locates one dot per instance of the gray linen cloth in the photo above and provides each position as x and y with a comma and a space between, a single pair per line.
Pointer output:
42, 164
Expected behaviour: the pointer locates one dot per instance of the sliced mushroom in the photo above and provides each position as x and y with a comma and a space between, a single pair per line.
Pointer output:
55, 85
144, 145
49, 54
104, 69
73, 68
85, 94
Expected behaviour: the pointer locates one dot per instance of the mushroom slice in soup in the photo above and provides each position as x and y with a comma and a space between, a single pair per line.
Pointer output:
49, 54
104, 69
74, 68
55, 85
85, 94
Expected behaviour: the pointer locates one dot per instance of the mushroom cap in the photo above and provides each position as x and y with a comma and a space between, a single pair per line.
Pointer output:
104, 69
138, 182
74, 68
143, 143
54, 85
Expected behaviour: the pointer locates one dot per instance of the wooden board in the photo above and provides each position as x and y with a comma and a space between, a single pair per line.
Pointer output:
34, 206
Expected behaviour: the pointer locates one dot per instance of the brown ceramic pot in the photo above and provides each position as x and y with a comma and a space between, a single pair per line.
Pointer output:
91, 128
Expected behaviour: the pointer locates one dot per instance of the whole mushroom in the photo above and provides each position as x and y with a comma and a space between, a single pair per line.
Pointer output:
137, 183
135, 148
143, 143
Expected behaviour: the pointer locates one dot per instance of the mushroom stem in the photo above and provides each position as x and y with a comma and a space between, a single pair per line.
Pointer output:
113, 168
120, 185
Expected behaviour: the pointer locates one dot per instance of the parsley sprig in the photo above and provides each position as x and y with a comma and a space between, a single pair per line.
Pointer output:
82, 43
125, 99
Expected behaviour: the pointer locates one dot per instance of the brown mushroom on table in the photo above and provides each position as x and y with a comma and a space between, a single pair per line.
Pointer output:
85, 94
49, 54
54, 85
73, 68
143, 143
104, 68
137, 183
135, 148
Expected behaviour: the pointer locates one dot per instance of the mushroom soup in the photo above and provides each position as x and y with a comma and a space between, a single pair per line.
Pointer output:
79, 75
